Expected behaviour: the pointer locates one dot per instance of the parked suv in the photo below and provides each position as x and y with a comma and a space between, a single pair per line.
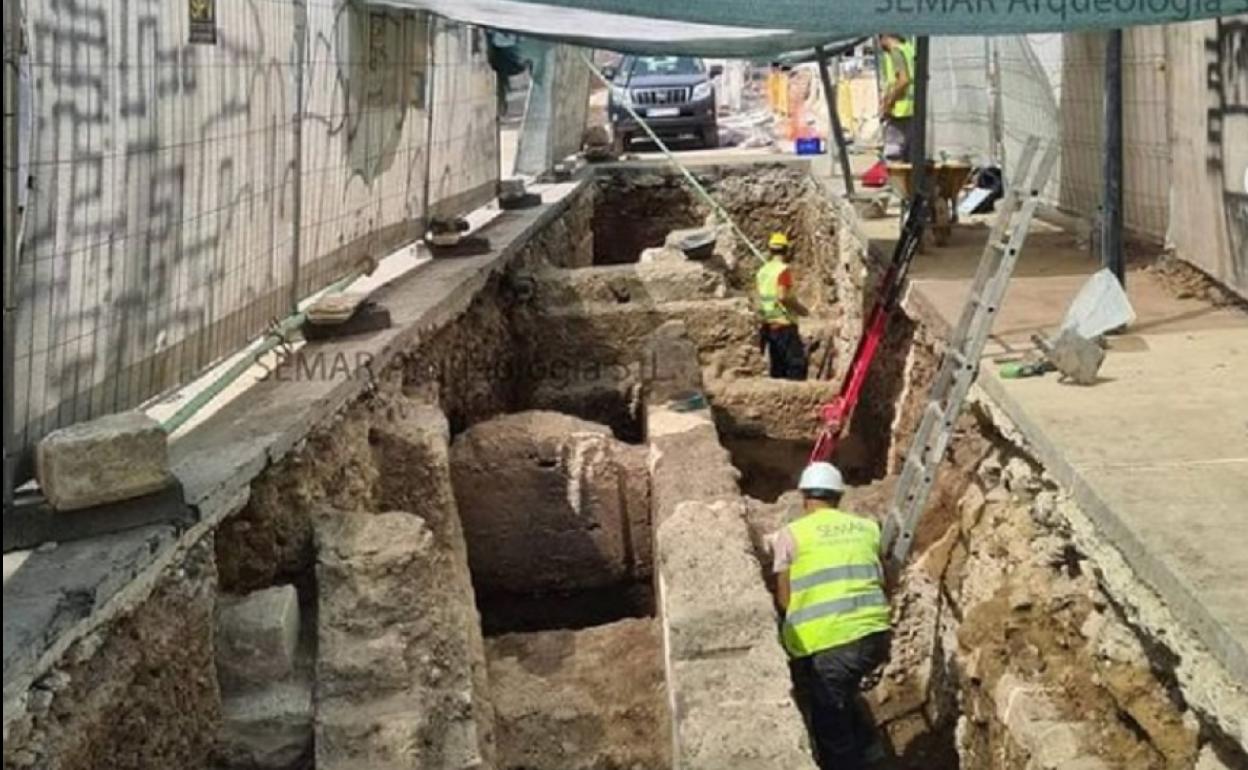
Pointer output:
674, 94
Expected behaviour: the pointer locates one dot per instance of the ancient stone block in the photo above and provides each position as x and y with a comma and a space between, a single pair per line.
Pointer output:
543, 500
398, 638
687, 462
1020, 703
268, 729
714, 599
1053, 744
735, 711
670, 365
256, 637
118, 457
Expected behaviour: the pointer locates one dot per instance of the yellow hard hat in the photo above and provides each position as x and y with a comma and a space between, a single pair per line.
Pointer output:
778, 241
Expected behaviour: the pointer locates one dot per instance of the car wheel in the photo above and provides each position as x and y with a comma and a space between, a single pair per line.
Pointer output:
710, 136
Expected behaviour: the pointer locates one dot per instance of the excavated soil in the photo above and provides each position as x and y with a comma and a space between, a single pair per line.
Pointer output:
997, 599
591, 699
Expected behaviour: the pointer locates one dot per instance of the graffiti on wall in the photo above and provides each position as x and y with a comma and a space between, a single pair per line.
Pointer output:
160, 227
1227, 131
375, 61
119, 280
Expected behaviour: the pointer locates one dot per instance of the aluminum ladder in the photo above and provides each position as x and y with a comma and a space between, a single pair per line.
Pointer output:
960, 362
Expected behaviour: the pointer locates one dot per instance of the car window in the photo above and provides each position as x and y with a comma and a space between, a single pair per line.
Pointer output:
644, 66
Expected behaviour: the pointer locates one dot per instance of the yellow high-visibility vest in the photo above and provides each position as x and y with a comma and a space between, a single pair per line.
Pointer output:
904, 106
836, 584
767, 283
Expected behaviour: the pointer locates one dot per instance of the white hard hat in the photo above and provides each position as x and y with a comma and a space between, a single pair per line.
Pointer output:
821, 477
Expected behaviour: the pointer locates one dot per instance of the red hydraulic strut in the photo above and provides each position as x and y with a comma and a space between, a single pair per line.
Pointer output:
835, 414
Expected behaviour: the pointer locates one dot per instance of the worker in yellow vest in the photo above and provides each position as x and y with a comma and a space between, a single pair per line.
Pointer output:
897, 101
778, 310
830, 586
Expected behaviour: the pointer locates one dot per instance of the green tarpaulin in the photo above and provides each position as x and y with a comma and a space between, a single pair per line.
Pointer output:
748, 28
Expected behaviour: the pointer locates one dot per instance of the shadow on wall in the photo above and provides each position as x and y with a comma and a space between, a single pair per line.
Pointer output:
372, 45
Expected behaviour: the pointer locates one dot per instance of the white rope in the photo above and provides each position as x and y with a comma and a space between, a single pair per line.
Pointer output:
693, 182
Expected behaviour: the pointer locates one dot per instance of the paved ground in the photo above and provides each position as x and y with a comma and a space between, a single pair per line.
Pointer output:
1156, 452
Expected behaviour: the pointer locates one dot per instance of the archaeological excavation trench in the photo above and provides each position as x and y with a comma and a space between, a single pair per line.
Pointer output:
531, 546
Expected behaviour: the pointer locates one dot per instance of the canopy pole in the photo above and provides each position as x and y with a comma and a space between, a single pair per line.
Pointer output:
13, 30
690, 178
1111, 205
918, 124
834, 117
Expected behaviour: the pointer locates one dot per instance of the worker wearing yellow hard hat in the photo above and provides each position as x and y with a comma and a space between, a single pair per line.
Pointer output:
778, 310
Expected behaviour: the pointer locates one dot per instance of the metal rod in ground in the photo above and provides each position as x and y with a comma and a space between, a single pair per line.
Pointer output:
834, 118
690, 178
1111, 204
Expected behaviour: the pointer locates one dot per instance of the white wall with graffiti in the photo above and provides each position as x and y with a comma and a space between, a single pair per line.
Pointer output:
1209, 149
168, 215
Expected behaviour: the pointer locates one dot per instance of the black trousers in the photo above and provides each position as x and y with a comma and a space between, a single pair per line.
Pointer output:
828, 684
785, 352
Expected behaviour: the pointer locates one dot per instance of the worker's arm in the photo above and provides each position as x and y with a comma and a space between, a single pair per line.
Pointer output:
783, 551
788, 298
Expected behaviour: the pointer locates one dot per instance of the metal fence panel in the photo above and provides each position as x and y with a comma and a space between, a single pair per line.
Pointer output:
1030, 87
1146, 144
960, 108
989, 95
365, 136
157, 230
1208, 89
169, 176
558, 107
464, 165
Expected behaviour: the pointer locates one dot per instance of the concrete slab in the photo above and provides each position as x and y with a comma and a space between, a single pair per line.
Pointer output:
1157, 451
52, 590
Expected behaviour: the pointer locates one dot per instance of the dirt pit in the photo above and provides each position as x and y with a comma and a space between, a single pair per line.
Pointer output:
551, 480
556, 520
591, 699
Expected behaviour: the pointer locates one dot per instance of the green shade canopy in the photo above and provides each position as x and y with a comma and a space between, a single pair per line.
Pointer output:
756, 28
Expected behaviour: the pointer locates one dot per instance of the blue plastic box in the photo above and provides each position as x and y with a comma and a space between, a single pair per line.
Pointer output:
809, 146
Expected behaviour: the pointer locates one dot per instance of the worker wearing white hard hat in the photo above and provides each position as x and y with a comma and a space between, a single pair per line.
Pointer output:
830, 585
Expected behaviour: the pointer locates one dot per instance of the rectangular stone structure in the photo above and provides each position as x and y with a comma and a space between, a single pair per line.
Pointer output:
256, 638
117, 457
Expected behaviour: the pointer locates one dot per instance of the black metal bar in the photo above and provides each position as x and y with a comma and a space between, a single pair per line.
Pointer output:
296, 218
838, 132
12, 54
918, 123
1111, 204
